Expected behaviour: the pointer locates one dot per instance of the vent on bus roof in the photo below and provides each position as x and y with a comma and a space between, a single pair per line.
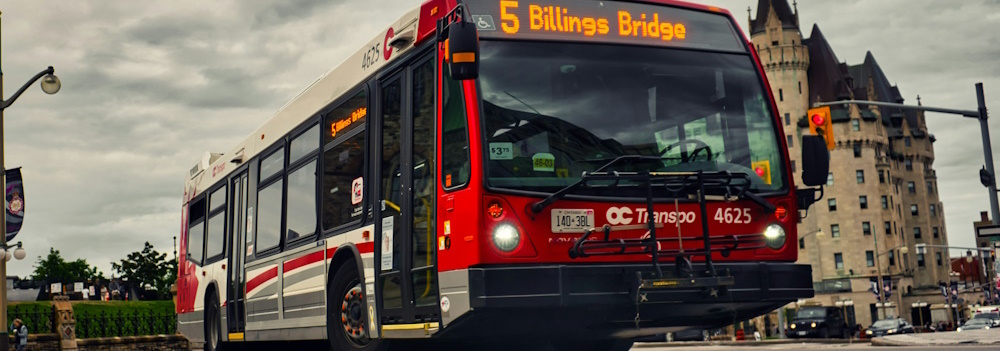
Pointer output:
202, 165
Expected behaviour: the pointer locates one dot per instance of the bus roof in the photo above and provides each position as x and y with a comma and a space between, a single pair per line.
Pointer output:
411, 28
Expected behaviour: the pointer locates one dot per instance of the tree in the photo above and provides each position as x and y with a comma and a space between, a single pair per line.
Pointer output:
148, 269
54, 269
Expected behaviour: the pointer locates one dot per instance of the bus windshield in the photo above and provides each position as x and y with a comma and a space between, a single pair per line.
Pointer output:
554, 110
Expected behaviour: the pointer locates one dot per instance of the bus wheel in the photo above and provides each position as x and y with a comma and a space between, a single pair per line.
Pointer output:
213, 324
345, 316
593, 345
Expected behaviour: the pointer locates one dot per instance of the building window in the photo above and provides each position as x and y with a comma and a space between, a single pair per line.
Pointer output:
802, 243
914, 210
870, 258
881, 177
781, 97
930, 187
860, 174
789, 137
793, 165
892, 258
800, 82
831, 204
936, 232
838, 260
920, 260
937, 256
835, 230
829, 179
866, 228
885, 202
933, 210
906, 141
916, 233
888, 228
911, 187
788, 119
909, 164
855, 125
863, 201
857, 150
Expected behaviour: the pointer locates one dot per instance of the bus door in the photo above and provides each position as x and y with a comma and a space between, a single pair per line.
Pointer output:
235, 307
406, 163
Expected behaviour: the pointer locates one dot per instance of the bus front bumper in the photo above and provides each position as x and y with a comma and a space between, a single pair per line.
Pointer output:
600, 300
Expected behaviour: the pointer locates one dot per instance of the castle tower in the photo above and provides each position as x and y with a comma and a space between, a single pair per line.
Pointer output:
776, 37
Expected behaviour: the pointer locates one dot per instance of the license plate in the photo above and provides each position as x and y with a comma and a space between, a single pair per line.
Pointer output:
572, 221
802, 333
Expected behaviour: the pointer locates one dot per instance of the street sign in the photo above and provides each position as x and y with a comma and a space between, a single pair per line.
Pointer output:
985, 177
988, 231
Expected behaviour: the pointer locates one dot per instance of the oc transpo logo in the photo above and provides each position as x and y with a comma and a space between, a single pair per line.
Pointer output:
619, 215
623, 215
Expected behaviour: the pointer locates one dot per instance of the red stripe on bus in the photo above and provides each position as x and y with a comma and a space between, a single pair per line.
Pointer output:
367, 247
300, 262
262, 278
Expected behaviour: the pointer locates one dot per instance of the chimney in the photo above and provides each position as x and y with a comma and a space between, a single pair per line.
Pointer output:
984, 217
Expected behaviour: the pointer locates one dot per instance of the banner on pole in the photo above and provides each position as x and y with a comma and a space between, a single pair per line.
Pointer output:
14, 202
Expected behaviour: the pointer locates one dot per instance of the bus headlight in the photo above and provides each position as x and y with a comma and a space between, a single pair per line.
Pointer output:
774, 236
506, 237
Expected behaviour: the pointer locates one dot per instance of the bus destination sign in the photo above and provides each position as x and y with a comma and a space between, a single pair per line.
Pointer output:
603, 21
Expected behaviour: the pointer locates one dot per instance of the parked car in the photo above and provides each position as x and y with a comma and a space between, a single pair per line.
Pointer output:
818, 322
992, 317
890, 327
976, 323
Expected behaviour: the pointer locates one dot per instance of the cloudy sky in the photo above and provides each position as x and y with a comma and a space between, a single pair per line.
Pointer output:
149, 86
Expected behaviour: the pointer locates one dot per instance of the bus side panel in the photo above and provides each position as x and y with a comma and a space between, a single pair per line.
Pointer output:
460, 219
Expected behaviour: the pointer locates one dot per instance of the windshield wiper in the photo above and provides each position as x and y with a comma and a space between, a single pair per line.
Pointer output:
537, 207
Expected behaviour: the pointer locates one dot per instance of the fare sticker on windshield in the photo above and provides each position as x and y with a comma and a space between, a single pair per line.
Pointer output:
501, 151
543, 162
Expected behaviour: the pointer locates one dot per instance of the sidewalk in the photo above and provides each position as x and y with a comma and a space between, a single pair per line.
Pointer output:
747, 342
971, 337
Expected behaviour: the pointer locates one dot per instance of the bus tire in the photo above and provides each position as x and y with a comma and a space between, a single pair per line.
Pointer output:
213, 323
345, 313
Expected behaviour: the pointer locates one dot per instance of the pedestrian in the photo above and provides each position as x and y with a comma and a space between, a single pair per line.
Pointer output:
20, 332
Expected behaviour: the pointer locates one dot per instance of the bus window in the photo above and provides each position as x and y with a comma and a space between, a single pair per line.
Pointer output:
196, 242
269, 202
300, 214
344, 163
303, 144
215, 240
455, 139
392, 114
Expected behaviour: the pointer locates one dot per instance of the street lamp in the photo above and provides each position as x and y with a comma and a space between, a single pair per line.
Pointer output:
50, 85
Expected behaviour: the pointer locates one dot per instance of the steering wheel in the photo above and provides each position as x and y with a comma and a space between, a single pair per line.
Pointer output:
700, 145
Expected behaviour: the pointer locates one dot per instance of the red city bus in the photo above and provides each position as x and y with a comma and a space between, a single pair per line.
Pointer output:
577, 172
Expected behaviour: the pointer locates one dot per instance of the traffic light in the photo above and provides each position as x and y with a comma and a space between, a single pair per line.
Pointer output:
820, 124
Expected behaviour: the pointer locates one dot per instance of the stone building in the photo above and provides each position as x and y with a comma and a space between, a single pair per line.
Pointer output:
881, 195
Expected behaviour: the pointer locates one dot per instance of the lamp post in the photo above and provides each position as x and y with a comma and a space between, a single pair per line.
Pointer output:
50, 85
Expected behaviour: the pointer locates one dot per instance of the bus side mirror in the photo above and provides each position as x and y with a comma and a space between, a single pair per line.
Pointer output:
815, 160
463, 50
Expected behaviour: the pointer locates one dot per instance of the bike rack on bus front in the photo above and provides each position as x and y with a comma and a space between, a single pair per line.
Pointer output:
732, 185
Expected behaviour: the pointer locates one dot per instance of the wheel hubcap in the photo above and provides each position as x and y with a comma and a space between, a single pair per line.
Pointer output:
352, 316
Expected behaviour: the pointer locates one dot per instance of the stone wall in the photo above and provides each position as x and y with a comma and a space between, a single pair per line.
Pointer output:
140, 343
40, 342
50, 342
